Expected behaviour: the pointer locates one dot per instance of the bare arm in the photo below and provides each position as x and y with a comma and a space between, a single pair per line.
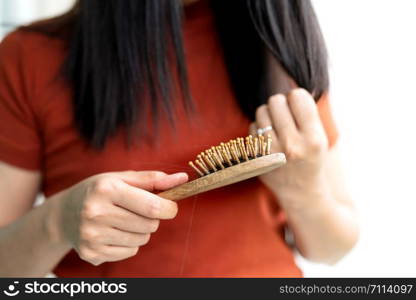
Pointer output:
106, 217
310, 186
26, 246
326, 228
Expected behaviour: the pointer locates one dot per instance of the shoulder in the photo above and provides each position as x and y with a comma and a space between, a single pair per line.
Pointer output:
30, 64
32, 45
10, 47
31, 58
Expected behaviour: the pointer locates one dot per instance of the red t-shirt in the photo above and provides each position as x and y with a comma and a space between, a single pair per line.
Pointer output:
232, 231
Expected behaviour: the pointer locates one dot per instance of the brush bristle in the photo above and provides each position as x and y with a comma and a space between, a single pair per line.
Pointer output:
232, 153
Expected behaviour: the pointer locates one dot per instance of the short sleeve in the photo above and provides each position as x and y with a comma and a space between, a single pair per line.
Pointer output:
325, 113
19, 134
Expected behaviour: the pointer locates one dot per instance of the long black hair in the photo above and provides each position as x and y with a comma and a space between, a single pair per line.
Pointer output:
125, 56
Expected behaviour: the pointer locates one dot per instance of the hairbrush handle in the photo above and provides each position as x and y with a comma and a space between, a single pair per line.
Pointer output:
226, 176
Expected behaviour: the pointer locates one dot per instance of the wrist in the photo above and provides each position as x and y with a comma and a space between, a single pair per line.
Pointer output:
304, 195
53, 223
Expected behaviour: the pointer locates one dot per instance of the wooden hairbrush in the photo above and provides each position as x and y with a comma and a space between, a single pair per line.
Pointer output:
228, 163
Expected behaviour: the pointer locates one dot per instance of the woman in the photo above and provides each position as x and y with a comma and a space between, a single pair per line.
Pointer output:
102, 108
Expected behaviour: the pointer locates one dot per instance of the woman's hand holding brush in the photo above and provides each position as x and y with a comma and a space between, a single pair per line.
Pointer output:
108, 217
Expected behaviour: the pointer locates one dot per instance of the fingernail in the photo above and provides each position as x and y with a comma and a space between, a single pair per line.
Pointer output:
177, 174
181, 174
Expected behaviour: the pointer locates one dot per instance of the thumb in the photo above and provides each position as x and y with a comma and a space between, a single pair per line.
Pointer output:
152, 180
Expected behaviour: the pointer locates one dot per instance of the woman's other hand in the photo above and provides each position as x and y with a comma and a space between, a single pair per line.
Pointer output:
310, 188
298, 132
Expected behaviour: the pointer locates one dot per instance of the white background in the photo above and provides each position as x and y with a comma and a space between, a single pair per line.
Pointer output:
372, 46
22, 11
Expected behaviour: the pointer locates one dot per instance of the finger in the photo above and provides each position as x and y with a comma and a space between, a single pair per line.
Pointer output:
263, 120
252, 129
128, 221
152, 180
304, 109
115, 237
144, 203
283, 122
171, 181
